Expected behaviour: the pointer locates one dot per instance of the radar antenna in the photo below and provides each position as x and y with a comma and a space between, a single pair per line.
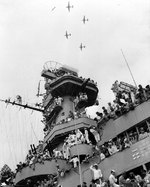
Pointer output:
22, 105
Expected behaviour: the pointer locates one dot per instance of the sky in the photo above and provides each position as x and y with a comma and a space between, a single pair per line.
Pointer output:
32, 32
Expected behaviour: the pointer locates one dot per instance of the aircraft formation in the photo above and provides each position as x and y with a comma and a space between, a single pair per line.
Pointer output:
84, 20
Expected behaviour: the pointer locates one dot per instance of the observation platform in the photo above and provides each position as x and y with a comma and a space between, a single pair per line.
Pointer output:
81, 149
72, 85
49, 167
62, 129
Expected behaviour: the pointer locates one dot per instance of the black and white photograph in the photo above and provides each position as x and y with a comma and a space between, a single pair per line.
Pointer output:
74, 93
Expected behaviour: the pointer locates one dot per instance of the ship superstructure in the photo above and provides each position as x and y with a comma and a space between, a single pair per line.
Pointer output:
128, 130
117, 139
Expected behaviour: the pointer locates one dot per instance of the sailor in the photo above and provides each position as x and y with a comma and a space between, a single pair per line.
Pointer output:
102, 156
86, 134
75, 115
143, 134
46, 155
19, 99
147, 178
40, 147
75, 161
59, 101
126, 142
68, 140
113, 147
32, 162
110, 148
73, 140
122, 180
95, 133
57, 153
79, 136
97, 174
113, 180
66, 150
76, 100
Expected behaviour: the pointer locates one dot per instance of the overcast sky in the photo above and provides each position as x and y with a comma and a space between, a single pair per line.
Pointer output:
32, 32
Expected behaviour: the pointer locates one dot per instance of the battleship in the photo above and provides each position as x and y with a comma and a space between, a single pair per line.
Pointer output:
75, 145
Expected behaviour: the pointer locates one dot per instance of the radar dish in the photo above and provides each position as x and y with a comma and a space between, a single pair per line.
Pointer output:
52, 66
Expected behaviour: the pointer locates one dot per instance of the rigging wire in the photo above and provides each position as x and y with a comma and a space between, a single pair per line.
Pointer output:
9, 117
1, 132
36, 127
128, 68
7, 137
19, 122
24, 120
34, 132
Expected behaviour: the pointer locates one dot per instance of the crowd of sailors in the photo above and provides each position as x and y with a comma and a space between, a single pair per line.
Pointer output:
38, 155
58, 76
47, 181
123, 140
119, 143
123, 103
126, 179
83, 136
71, 116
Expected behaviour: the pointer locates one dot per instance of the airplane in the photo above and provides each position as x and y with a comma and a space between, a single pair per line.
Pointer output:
82, 46
69, 6
84, 20
53, 8
67, 35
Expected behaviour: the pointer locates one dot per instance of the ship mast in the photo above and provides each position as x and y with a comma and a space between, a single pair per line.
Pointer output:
63, 107
63, 82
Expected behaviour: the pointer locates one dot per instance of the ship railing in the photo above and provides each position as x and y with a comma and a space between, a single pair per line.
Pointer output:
122, 106
67, 120
106, 151
71, 75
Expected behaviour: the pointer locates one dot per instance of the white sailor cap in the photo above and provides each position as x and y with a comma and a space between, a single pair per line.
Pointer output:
113, 170
95, 164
